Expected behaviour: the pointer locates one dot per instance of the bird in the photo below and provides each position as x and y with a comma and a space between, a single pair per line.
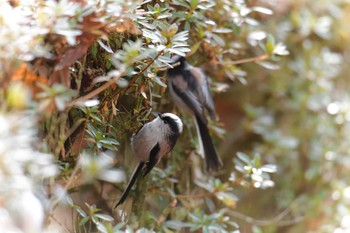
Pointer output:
189, 88
152, 142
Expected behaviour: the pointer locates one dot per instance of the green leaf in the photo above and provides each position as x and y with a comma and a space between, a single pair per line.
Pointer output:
181, 37
262, 10
147, 25
270, 44
269, 65
240, 169
243, 157
270, 168
94, 50
218, 40
205, 185
172, 30
159, 81
154, 36
106, 47
69, 200
109, 141
118, 226
181, 3
281, 50
81, 211
104, 217
228, 198
83, 221
177, 51
164, 15
177, 225
222, 30
101, 227
194, 3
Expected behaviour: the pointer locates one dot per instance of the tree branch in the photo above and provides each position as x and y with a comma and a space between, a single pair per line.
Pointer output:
186, 196
275, 220
94, 92
251, 59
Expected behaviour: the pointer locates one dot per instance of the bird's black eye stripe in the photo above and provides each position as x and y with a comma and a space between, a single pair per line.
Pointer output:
172, 124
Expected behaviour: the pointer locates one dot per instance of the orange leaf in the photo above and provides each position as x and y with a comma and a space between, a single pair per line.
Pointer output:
127, 26
25, 74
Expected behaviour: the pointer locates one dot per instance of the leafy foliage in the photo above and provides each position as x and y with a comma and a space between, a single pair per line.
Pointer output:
82, 76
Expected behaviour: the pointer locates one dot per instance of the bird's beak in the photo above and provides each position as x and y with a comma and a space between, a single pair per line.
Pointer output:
159, 115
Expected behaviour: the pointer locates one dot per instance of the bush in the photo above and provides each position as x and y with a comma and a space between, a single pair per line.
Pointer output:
78, 78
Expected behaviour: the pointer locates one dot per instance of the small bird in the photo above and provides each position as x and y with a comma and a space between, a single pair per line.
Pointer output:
152, 142
189, 89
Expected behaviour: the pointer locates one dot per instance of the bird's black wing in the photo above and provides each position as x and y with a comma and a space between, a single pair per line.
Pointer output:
153, 159
190, 99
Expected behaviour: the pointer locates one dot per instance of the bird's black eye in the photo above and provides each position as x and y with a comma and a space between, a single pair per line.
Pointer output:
165, 120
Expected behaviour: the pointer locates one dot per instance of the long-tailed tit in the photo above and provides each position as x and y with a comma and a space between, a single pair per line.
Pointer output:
153, 141
189, 89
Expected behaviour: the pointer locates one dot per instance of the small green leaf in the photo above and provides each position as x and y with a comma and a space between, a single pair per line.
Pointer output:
172, 30
110, 141
269, 65
178, 52
228, 198
81, 211
94, 50
242, 156
105, 217
159, 82
69, 200
181, 3
270, 168
177, 225
270, 44
222, 30
83, 221
101, 227
147, 25
262, 10
281, 50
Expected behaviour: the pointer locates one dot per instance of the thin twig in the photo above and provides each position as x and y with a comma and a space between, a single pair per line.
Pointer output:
291, 221
94, 92
144, 69
275, 220
251, 59
133, 80
66, 187
186, 196
60, 224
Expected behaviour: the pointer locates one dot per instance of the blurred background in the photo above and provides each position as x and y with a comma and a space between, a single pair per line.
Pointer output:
78, 78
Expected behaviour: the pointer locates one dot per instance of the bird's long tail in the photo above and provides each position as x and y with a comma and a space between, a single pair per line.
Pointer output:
212, 160
132, 181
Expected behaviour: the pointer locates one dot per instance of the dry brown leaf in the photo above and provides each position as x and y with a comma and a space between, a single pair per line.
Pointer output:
25, 74
126, 26
91, 30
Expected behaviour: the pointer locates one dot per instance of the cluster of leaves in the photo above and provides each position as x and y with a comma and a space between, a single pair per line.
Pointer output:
254, 174
298, 121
